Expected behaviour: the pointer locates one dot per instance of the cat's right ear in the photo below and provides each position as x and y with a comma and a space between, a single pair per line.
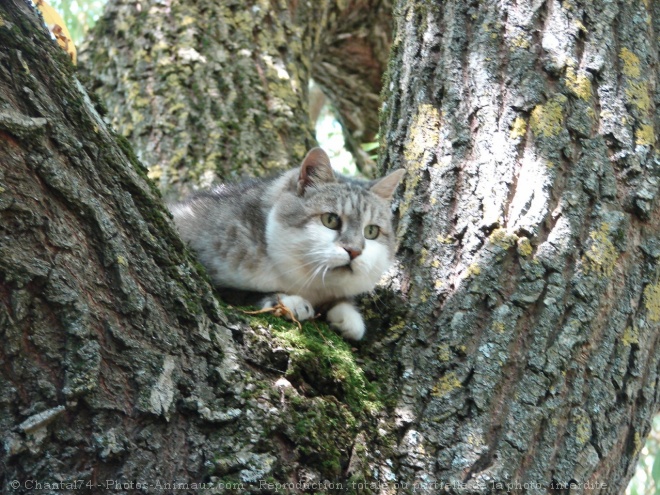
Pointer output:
315, 169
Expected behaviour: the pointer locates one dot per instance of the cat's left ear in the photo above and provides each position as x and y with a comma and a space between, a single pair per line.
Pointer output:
315, 169
386, 186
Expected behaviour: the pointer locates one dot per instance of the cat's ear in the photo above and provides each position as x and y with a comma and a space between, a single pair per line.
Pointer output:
386, 186
315, 169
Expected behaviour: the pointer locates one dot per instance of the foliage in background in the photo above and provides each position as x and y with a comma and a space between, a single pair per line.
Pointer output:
647, 477
80, 15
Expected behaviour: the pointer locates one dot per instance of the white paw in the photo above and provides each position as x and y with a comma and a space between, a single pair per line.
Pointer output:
347, 320
300, 307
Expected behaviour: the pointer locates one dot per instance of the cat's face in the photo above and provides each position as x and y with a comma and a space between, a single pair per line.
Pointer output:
332, 239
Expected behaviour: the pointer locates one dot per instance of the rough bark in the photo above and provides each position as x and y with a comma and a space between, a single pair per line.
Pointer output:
207, 90
118, 367
529, 229
517, 342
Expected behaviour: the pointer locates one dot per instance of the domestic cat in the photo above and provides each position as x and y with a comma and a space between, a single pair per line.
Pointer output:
310, 238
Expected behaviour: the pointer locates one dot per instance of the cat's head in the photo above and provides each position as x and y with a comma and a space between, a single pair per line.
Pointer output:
331, 236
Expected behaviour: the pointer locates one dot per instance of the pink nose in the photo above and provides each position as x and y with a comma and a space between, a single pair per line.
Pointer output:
353, 253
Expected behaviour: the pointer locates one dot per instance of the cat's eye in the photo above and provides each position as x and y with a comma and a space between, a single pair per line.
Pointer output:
371, 231
331, 220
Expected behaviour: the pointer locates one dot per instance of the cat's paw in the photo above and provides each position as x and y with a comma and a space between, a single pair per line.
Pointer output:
299, 307
347, 320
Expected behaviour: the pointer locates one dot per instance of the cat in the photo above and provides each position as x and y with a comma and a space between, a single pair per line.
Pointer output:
309, 237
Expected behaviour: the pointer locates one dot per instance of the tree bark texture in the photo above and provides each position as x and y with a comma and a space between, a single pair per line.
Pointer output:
207, 90
118, 369
529, 227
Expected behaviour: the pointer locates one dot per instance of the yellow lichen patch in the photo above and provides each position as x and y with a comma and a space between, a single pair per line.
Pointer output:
500, 237
473, 269
582, 430
438, 284
422, 256
122, 261
521, 42
547, 119
518, 128
424, 127
580, 26
578, 83
155, 172
645, 135
637, 93
524, 247
435, 264
421, 140
602, 255
187, 20
445, 385
445, 239
630, 63
443, 353
630, 336
652, 301
499, 327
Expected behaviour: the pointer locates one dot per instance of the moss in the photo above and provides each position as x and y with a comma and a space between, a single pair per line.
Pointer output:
323, 359
652, 301
518, 128
446, 384
645, 135
631, 66
602, 255
322, 429
547, 120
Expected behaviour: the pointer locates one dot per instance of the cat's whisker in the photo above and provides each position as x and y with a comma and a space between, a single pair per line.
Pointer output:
260, 236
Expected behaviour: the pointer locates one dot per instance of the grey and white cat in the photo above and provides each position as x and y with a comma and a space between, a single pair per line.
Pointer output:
310, 237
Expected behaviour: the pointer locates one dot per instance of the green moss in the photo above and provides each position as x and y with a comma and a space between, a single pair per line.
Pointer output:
325, 361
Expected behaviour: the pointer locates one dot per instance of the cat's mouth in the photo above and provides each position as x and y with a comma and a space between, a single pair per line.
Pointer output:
344, 268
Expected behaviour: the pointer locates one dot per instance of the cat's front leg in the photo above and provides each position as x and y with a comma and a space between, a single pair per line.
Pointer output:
347, 320
301, 309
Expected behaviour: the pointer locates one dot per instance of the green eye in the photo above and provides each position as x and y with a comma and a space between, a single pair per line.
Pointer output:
371, 231
331, 220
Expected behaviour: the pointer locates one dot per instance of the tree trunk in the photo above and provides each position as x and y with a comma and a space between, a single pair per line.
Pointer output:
529, 228
516, 343
207, 90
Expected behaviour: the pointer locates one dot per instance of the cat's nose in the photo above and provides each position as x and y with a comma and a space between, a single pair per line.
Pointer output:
353, 253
